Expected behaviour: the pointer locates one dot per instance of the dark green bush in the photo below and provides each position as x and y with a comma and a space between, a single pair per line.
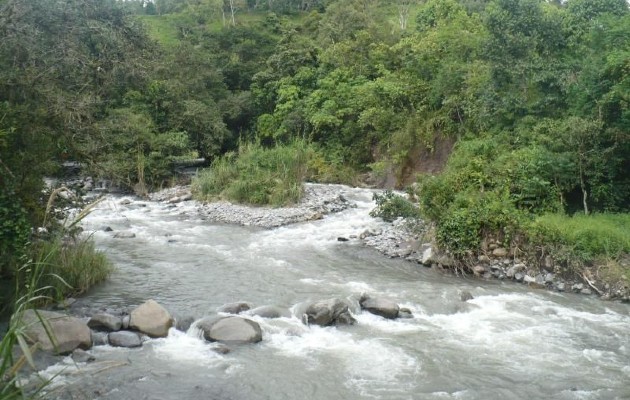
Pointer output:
472, 216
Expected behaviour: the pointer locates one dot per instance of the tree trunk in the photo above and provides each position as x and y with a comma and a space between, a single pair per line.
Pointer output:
584, 192
232, 12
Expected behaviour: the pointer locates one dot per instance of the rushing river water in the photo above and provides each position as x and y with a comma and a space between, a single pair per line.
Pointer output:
506, 343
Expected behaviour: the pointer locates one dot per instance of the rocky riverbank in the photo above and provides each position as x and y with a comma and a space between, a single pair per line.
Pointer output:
318, 200
413, 242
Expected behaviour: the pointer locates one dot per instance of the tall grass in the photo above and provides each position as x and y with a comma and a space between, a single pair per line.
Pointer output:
256, 175
584, 237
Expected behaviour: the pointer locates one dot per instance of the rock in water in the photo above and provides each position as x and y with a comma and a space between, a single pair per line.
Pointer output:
124, 339
184, 323
380, 306
234, 308
329, 312
152, 319
79, 355
465, 295
230, 330
105, 322
405, 313
67, 333
124, 235
270, 312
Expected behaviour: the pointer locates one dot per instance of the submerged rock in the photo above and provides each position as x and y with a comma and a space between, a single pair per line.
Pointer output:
234, 308
124, 235
230, 330
152, 319
124, 339
99, 338
270, 312
380, 306
405, 313
66, 333
79, 355
183, 323
465, 295
329, 312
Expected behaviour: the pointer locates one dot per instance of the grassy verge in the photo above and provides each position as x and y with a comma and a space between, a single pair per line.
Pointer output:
594, 247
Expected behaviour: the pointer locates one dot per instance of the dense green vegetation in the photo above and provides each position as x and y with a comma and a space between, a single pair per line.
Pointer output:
256, 175
533, 93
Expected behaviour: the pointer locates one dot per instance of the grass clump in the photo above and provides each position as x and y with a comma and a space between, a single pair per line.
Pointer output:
257, 175
69, 266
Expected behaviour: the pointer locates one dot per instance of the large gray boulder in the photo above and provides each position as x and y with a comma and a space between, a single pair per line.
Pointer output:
105, 322
329, 312
379, 306
230, 330
270, 312
66, 333
151, 318
124, 339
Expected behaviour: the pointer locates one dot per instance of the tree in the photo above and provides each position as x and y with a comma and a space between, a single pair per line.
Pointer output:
404, 6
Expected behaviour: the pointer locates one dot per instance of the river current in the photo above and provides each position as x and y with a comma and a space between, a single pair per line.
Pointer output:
509, 342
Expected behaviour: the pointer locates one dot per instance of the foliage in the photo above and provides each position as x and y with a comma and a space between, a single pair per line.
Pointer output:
14, 234
256, 175
390, 206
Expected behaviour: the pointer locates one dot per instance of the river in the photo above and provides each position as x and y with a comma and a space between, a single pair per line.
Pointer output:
507, 343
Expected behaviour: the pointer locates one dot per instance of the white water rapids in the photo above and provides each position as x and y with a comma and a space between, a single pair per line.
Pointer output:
507, 343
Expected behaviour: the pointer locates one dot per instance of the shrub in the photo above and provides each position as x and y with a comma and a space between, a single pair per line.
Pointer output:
474, 215
390, 206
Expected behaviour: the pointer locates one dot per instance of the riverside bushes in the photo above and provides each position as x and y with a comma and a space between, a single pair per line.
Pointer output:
257, 175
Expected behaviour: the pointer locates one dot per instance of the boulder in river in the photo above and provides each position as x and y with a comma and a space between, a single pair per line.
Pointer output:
329, 312
230, 330
66, 333
270, 312
380, 306
124, 339
151, 318
234, 308
105, 322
